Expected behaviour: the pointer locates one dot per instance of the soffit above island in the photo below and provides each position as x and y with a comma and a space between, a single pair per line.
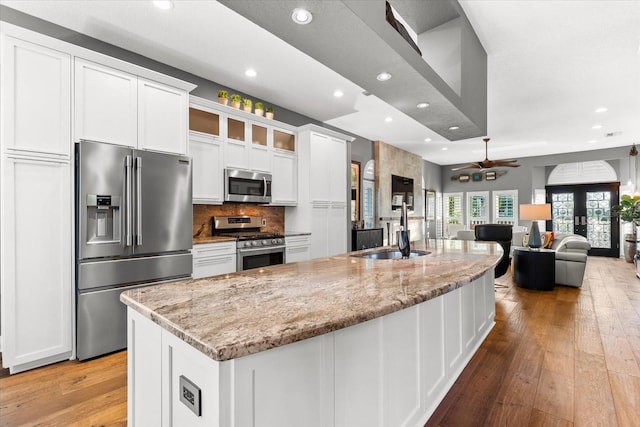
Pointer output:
354, 39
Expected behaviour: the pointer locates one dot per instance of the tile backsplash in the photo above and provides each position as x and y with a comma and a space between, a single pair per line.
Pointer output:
202, 216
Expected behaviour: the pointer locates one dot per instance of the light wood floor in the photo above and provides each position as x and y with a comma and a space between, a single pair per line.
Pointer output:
560, 358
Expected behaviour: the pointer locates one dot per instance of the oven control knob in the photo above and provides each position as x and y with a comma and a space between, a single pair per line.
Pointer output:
274, 241
255, 243
264, 242
280, 240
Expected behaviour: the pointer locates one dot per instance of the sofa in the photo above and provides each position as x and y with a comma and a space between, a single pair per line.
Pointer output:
571, 258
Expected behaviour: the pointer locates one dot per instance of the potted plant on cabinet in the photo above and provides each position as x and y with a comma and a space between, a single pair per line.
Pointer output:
223, 97
247, 104
259, 109
269, 113
235, 100
629, 211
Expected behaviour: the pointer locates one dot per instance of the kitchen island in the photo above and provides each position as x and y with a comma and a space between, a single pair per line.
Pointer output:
342, 341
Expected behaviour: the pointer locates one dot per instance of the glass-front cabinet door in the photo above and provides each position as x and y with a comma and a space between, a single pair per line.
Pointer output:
236, 152
284, 140
259, 153
585, 209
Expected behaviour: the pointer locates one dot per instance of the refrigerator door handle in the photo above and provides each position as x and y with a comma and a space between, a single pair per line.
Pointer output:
139, 200
128, 188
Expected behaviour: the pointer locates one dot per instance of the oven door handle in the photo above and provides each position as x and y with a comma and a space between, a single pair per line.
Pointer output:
266, 249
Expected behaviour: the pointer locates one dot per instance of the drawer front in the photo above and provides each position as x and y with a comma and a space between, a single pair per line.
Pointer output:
297, 240
213, 249
214, 265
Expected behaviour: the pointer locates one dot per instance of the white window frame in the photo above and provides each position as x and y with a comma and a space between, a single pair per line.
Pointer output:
446, 219
484, 218
505, 220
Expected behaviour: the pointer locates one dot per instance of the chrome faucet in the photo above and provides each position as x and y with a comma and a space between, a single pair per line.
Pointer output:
403, 238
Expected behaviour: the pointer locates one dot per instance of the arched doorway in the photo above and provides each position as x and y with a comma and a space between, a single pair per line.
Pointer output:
581, 197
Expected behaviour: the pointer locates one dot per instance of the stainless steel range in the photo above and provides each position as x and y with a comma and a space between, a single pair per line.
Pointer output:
255, 249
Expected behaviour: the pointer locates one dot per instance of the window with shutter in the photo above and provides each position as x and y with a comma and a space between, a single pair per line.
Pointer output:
477, 208
505, 207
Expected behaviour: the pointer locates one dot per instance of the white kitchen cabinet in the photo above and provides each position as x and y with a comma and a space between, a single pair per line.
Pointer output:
337, 228
36, 99
37, 252
106, 104
207, 156
236, 149
121, 108
322, 190
36, 222
320, 159
393, 370
337, 171
284, 184
298, 248
259, 159
162, 117
212, 259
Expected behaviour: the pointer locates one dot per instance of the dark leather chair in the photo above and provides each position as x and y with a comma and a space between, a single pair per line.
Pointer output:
501, 233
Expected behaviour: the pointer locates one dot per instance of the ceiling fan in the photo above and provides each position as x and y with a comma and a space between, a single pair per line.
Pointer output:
488, 164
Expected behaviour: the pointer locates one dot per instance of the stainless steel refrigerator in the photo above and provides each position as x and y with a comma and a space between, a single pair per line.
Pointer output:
133, 228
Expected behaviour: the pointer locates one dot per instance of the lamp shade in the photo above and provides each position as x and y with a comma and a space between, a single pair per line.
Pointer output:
535, 212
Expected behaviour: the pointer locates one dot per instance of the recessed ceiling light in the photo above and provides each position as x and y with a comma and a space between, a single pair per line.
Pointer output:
384, 76
596, 127
338, 93
427, 140
163, 4
250, 73
423, 105
388, 119
301, 16
454, 127
593, 141
444, 148
601, 110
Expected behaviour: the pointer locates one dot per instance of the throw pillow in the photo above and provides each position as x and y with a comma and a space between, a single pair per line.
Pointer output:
547, 240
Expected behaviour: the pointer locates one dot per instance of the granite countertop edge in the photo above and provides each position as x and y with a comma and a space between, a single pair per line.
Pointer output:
223, 339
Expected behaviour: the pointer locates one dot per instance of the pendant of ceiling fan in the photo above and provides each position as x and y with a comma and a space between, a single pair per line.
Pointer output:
488, 164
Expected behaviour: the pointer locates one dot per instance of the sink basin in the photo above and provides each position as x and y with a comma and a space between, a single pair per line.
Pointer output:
390, 254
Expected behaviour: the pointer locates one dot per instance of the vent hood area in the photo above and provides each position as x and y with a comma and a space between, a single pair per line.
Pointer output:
354, 39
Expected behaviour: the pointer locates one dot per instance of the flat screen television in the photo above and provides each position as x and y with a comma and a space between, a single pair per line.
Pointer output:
401, 191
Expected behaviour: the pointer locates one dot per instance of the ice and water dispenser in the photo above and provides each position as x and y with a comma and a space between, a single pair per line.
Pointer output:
103, 218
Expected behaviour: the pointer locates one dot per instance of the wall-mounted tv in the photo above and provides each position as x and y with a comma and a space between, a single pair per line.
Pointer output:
401, 191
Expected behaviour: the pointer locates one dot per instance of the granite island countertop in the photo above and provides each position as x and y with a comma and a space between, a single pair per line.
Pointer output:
238, 314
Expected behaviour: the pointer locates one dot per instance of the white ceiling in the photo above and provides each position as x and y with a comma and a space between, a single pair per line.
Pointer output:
551, 64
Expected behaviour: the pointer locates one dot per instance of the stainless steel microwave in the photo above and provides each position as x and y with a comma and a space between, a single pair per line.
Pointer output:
245, 186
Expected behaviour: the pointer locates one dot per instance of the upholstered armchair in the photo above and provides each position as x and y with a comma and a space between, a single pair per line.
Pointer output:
571, 258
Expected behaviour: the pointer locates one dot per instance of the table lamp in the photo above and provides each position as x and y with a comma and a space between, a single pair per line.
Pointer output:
535, 213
